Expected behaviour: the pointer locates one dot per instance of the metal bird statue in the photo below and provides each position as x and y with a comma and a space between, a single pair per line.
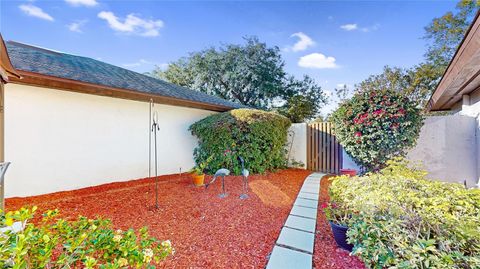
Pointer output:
222, 172
245, 174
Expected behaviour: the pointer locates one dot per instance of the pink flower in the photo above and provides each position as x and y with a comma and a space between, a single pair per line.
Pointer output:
401, 111
358, 134
324, 205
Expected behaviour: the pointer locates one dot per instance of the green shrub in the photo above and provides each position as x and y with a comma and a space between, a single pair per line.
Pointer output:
257, 136
82, 243
376, 126
403, 220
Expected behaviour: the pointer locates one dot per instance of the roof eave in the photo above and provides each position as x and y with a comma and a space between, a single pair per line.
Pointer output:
7, 71
462, 76
36, 79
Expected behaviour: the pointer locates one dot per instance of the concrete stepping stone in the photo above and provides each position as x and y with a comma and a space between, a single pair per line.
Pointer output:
304, 212
284, 258
309, 189
300, 223
308, 196
298, 234
312, 181
306, 203
296, 239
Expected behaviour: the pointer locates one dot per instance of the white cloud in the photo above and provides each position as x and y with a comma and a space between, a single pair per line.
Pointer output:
35, 11
76, 26
371, 28
317, 60
132, 24
349, 27
355, 27
87, 3
139, 63
145, 63
341, 85
304, 42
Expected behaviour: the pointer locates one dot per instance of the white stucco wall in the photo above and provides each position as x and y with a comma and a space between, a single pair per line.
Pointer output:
447, 148
297, 143
59, 140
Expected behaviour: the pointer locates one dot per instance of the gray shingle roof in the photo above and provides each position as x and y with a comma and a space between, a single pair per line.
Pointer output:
62, 65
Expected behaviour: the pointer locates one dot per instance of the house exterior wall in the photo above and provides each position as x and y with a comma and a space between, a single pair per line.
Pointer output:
60, 140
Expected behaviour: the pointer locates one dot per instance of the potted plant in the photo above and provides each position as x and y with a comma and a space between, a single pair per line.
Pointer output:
348, 172
198, 174
338, 218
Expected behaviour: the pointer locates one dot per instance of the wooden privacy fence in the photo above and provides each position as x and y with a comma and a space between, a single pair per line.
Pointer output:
324, 153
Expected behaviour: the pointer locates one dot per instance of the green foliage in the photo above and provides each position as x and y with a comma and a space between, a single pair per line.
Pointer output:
257, 136
251, 74
416, 83
199, 169
304, 99
83, 243
375, 126
399, 219
446, 32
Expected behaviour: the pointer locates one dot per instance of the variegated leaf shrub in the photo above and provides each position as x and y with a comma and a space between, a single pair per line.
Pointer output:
376, 126
54, 242
259, 137
400, 219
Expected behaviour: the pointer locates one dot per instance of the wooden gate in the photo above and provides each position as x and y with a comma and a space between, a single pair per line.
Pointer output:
324, 153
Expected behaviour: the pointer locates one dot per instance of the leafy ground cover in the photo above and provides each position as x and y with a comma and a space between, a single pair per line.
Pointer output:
206, 232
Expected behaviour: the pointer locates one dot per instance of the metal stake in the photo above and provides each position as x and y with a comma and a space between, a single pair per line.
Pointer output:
154, 130
223, 194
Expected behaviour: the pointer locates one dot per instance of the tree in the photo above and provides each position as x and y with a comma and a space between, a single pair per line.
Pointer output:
304, 99
445, 33
417, 83
251, 74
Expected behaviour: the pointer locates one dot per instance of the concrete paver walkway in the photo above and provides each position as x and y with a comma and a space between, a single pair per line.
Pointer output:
294, 246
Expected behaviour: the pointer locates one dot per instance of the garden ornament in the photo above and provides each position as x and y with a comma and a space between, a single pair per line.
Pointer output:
222, 172
245, 174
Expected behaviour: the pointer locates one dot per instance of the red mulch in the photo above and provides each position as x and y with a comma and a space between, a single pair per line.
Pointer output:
325, 245
206, 232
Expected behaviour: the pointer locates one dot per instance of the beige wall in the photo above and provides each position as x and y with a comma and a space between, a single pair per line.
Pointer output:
447, 148
297, 143
59, 140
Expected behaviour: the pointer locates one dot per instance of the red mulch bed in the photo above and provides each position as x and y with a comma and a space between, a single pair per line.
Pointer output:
206, 232
327, 254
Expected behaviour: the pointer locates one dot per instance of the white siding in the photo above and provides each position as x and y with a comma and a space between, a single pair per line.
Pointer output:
59, 140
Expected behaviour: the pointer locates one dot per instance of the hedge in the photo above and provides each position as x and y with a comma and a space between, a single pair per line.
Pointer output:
403, 220
257, 136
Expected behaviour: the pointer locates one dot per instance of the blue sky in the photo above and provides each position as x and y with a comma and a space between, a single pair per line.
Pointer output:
342, 42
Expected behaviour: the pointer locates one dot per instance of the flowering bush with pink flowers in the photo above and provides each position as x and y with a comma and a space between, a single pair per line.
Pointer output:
376, 126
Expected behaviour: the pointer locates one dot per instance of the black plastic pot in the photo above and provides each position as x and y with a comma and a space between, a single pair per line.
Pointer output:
340, 235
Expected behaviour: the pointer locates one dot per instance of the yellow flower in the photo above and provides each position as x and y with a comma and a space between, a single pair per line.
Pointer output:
117, 237
122, 262
166, 243
147, 255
